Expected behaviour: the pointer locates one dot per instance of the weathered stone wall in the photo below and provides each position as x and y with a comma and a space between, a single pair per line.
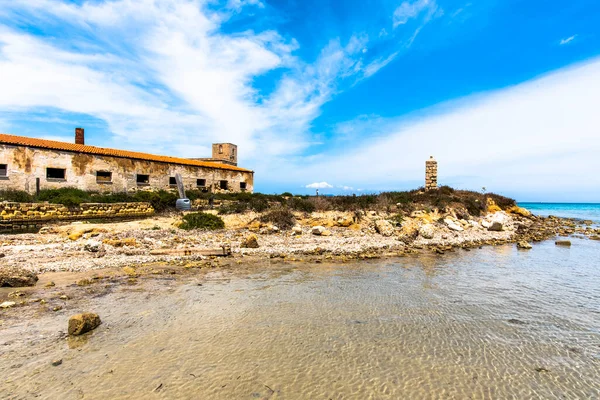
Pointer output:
23, 216
26, 164
431, 174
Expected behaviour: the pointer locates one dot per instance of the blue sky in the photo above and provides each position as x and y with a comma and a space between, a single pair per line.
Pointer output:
349, 96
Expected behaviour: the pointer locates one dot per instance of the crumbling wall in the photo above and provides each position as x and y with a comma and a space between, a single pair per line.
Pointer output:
25, 165
26, 216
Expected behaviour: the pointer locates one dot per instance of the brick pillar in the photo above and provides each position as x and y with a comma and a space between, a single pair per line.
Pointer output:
79, 136
431, 174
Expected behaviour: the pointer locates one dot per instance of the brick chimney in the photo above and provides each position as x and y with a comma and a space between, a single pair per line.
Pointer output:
79, 136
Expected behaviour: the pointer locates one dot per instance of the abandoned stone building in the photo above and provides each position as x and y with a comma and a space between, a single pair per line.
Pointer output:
35, 164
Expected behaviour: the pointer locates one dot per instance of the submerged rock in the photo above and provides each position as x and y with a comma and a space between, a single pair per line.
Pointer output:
16, 277
82, 323
566, 243
384, 228
524, 245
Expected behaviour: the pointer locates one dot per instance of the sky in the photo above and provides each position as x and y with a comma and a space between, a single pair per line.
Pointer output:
344, 96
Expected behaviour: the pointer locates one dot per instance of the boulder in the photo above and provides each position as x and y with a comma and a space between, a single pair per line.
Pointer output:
519, 211
384, 228
16, 277
427, 231
452, 225
250, 242
326, 232
93, 246
297, 230
344, 222
318, 230
82, 323
496, 226
7, 304
523, 245
566, 243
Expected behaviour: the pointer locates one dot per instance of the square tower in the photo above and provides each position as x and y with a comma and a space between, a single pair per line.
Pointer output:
225, 152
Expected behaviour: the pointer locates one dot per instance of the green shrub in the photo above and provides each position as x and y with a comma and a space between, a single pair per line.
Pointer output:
303, 205
18, 196
501, 201
397, 219
286, 194
160, 200
258, 203
56, 196
474, 206
282, 218
233, 208
202, 221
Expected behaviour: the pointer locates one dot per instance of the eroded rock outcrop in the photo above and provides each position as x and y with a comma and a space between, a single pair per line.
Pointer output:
384, 228
16, 277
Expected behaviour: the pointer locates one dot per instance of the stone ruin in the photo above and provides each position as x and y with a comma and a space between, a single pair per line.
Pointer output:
431, 174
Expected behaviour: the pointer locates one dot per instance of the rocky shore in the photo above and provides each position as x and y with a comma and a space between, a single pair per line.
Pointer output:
79, 247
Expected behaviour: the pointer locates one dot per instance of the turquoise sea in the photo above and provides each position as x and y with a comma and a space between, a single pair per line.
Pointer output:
582, 211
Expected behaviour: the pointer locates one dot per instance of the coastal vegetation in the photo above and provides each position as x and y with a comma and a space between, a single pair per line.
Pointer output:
400, 202
203, 221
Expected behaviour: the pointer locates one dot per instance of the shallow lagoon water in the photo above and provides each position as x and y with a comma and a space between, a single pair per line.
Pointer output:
490, 323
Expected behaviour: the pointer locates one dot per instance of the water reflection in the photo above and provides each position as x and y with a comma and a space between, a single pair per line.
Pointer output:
491, 323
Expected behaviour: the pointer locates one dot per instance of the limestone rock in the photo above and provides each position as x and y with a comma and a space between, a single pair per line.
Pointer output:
318, 230
75, 235
297, 230
427, 231
519, 211
93, 246
16, 277
120, 242
250, 242
495, 226
384, 228
453, 225
82, 323
326, 232
566, 243
344, 222
524, 245
7, 304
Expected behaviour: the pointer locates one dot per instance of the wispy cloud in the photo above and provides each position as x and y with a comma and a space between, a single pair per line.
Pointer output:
410, 10
568, 40
319, 185
534, 137
160, 70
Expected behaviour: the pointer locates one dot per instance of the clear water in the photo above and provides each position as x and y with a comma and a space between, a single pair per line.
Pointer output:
583, 211
491, 323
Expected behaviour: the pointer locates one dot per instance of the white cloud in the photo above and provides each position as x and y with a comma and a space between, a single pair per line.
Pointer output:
409, 10
158, 71
539, 135
567, 40
319, 185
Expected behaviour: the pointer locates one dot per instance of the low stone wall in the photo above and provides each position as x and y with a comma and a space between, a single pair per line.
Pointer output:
31, 216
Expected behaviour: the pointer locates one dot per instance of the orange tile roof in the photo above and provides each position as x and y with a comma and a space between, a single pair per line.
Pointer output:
102, 151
